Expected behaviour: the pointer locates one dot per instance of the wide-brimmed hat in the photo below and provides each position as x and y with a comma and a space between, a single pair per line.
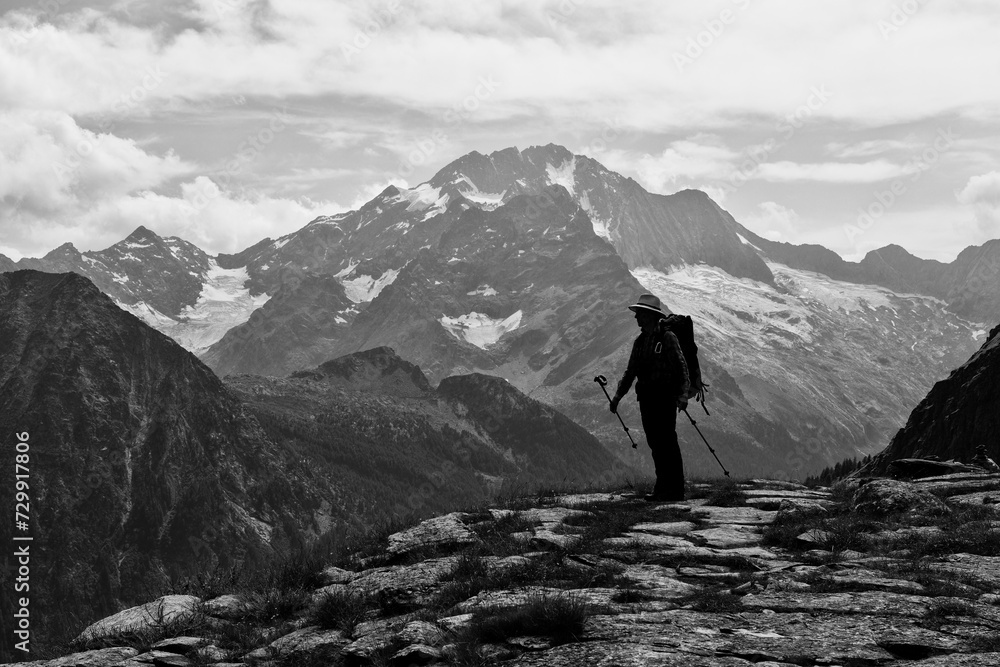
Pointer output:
647, 302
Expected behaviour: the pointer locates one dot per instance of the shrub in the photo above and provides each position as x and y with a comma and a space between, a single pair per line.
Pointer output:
342, 610
561, 618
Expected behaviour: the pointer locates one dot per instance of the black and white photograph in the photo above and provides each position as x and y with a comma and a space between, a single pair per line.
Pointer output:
540, 333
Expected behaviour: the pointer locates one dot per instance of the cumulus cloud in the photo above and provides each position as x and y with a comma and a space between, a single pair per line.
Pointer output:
215, 220
701, 157
60, 182
774, 221
982, 193
559, 53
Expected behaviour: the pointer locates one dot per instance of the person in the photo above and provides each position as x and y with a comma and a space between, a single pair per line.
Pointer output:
660, 372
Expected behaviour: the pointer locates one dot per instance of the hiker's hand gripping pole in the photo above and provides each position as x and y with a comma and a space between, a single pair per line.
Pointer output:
603, 381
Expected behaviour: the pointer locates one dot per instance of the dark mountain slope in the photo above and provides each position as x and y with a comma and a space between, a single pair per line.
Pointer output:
143, 466
388, 444
958, 415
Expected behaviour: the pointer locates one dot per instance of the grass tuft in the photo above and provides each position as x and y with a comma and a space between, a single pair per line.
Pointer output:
560, 618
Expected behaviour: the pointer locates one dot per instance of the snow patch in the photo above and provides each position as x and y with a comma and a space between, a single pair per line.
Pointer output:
563, 174
425, 198
223, 304
601, 227
484, 290
486, 200
366, 288
346, 272
479, 329
280, 243
745, 242
133, 245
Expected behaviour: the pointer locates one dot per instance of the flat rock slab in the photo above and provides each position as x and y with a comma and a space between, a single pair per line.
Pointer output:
979, 498
598, 597
760, 639
648, 540
576, 499
779, 493
98, 658
543, 538
441, 531
183, 645
875, 581
865, 602
958, 660
984, 568
167, 609
747, 516
403, 580
609, 653
728, 537
659, 578
551, 516
157, 659
677, 528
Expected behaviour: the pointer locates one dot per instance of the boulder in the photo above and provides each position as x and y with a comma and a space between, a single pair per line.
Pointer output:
167, 609
442, 532
887, 496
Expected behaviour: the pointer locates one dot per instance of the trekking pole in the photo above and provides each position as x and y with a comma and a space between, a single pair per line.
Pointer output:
695, 424
601, 380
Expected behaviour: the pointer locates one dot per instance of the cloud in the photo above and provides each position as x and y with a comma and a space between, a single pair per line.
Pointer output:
215, 220
774, 221
701, 157
60, 182
833, 172
559, 56
50, 164
846, 151
982, 193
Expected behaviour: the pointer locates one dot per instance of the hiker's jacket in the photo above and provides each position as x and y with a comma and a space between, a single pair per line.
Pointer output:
658, 372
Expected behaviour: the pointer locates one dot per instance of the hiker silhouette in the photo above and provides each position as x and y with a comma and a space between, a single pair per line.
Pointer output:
660, 373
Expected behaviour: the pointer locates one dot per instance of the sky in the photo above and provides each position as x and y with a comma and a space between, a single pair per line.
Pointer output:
851, 124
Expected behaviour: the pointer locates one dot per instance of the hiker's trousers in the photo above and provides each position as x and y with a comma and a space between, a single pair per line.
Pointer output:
659, 421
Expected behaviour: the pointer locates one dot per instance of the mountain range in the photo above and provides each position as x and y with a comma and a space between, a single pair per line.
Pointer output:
520, 263
146, 468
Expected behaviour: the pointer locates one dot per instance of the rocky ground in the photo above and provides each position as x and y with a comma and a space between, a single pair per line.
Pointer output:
880, 572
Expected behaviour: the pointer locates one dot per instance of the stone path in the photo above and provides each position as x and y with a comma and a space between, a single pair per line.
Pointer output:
675, 584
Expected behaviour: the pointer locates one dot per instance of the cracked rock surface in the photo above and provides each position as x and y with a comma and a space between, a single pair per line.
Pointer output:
608, 580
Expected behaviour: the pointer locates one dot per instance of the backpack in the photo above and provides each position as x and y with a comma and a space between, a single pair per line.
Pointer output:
683, 327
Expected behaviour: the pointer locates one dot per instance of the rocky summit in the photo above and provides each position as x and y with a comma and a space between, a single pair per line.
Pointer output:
868, 572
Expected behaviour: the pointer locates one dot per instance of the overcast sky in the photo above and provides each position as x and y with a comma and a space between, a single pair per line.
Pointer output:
225, 121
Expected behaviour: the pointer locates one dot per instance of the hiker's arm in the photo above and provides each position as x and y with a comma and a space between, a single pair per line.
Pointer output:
627, 379
675, 348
